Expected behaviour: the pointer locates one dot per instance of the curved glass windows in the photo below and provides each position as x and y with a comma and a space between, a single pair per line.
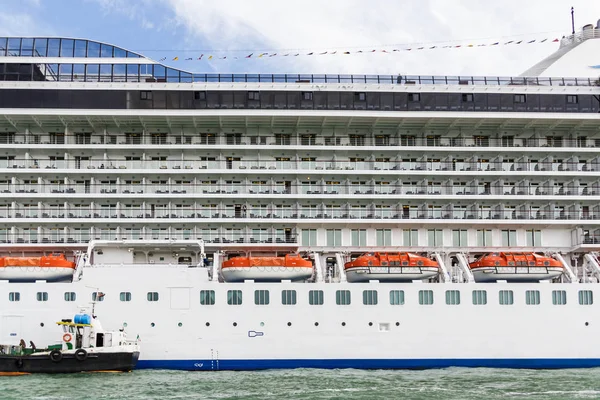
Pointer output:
120, 53
14, 46
40, 47
27, 47
93, 49
106, 50
53, 48
67, 47
80, 48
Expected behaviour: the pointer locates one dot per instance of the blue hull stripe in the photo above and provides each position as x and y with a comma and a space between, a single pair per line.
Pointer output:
532, 363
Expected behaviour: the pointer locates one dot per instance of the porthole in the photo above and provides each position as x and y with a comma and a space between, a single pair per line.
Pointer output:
343, 324
180, 324
152, 324
289, 324
316, 324
42, 324
546, 263
587, 324
262, 324
420, 263
235, 324
397, 323
124, 324
370, 324
208, 324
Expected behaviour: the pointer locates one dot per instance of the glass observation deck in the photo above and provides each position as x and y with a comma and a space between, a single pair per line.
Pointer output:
88, 61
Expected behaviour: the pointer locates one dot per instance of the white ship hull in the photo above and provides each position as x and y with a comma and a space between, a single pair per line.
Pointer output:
515, 274
266, 274
390, 274
179, 332
32, 274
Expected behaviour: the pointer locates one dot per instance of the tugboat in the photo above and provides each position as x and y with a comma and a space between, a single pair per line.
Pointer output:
390, 267
515, 267
85, 347
267, 269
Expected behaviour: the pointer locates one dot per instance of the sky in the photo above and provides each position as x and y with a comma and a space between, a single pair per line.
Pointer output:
236, 28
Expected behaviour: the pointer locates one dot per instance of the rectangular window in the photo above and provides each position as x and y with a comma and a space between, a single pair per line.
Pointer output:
572, 99
360, 96
125, 296
97, 296
234, 297
532, 297
534, 237
520, 98
152, 296
384, 237
307, 95
509, 237
288, 297
14, 296
559, 297
479, 297
453, 297
70, 296
261, 297
334, 237
467, 97
414, 97
309, 237
426, 297
253, 95
315, 297
459, 237
506, 297
199, 95
342, 297
42, 296
145, 95
370, 297
410, 237
359, 237
484, 237
434, 237
207, 297
586, 297
396, 297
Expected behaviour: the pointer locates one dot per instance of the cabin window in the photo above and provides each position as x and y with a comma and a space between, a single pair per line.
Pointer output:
253, 95
334, 237
484, 237
410, 236
152, 296
426, 297
384, 237
559, 297
479, 297
506, 297
125, 296
288, 297
14, 296
370, 297
307, 95
396, 297
509, 238
572, 99
207, 297
342, 297
520, 98
434, 237
234, 297
532, 297
467, 97
360, 96
70, 296
414, 97
198, 95
586, 297
145, 95
359, 237
534, 237
315, 297
453, 297
97, 296
261, 297
42, 296
459, 237
309, 237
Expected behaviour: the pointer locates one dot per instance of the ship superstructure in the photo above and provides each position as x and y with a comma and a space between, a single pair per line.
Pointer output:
171, 169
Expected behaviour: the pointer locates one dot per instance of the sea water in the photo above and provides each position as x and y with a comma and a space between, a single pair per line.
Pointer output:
451, 383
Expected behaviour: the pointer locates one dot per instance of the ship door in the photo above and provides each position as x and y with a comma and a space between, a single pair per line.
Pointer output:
288, 235
180, 298
11, 329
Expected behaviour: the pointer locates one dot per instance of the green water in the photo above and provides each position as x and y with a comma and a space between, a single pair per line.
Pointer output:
452, 383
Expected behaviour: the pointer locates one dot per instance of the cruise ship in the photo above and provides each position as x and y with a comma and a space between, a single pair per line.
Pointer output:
242, 221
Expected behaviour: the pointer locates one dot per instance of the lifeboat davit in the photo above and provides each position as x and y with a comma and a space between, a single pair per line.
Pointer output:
55, 267
390, 267
515, 267
267, 269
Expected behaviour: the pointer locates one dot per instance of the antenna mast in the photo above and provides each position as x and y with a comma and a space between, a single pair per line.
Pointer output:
573, 19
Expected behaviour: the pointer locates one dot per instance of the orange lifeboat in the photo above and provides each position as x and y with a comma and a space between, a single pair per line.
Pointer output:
515, 267
266, 269
390, 267
54, 267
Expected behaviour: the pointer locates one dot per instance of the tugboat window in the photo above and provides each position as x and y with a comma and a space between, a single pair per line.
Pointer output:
152, 296
14, 296
586, 297
396, 297
207, 297
125, 296
42, 296
70, 296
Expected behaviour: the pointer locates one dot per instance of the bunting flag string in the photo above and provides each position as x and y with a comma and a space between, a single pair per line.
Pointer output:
222, 55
